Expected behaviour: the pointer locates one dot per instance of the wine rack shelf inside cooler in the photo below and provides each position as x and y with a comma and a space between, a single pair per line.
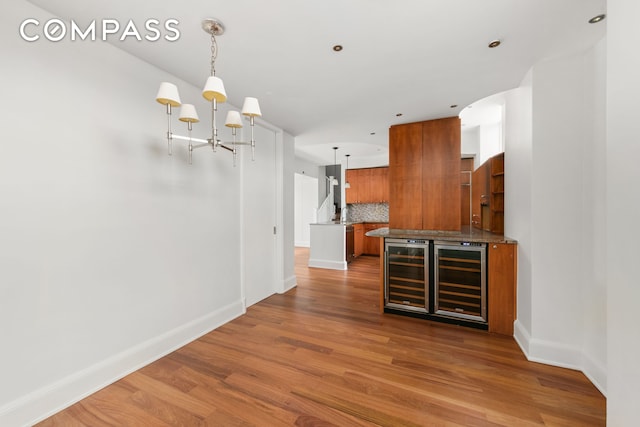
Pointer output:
460, 286
407, 275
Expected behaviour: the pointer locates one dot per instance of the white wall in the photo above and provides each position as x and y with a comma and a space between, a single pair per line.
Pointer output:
594, 310
622, 212
553, 195
288, 215
111, 252
491, 141
259, 211
470, 142
306, 197
304, 167
518, 191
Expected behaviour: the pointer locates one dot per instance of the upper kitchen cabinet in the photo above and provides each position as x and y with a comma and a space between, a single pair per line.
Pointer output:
424, 175
379, 185
369, 185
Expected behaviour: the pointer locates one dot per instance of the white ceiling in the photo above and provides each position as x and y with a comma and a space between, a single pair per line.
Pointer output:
415, 57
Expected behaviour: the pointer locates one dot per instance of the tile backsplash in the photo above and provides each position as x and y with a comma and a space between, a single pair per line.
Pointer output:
368, 212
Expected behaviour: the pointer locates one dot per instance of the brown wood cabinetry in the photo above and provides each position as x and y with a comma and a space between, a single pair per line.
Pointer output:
424, 175
496, 184
501, 286
369, 185
488, 195
502, 262
379, 185
479, 195
353, 178
405, 176
371, 245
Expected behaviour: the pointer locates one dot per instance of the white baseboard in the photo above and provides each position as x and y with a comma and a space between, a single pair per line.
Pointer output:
302, 244
561, 355
289, 284
522, 337
596, 373
48, 400
331, 265
547, 352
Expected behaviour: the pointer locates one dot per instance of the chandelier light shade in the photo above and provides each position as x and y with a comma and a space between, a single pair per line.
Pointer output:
214, 93
214, 89
233, 120
188, 114
168, 94
251, 108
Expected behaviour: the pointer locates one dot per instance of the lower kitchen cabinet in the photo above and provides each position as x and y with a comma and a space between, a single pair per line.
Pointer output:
371, 245
364, 245
502, 269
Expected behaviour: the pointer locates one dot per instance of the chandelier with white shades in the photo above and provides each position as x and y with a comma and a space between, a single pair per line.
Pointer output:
213, 92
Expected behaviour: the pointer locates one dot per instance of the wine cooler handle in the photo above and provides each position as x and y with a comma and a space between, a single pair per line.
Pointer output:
386, 282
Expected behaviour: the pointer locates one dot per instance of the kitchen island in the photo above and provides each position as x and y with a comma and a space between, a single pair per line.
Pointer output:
335, 244
465, 277
328, 247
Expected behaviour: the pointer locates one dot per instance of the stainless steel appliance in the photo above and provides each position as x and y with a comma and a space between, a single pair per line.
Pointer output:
460, 284
349, 243
407, 275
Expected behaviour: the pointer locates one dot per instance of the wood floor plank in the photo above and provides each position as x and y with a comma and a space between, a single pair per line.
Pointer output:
322, 354
166, 392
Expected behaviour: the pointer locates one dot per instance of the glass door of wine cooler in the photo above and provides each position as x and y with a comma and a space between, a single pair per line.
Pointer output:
460, 280
407, 274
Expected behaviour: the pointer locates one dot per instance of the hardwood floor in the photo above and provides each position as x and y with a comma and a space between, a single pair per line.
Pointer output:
323, 355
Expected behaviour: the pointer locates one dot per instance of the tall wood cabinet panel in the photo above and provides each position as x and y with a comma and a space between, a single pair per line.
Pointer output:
424, 175
441, 174
501, 275
405, 176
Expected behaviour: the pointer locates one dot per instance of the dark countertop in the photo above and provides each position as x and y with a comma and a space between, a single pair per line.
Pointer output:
349, 222
466, 234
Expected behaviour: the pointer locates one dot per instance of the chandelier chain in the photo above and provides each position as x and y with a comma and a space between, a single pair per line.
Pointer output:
214, 54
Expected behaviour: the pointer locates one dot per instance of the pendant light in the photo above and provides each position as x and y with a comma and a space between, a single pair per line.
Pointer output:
346, 183
334, 181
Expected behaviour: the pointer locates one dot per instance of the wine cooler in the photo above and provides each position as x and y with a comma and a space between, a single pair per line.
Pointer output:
407, 275
460, 288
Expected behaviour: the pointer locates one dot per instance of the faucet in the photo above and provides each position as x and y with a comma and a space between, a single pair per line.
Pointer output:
343, 214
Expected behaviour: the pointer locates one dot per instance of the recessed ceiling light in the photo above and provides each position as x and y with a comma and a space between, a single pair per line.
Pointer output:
597, 19
494, 43
337, 48
399, 114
